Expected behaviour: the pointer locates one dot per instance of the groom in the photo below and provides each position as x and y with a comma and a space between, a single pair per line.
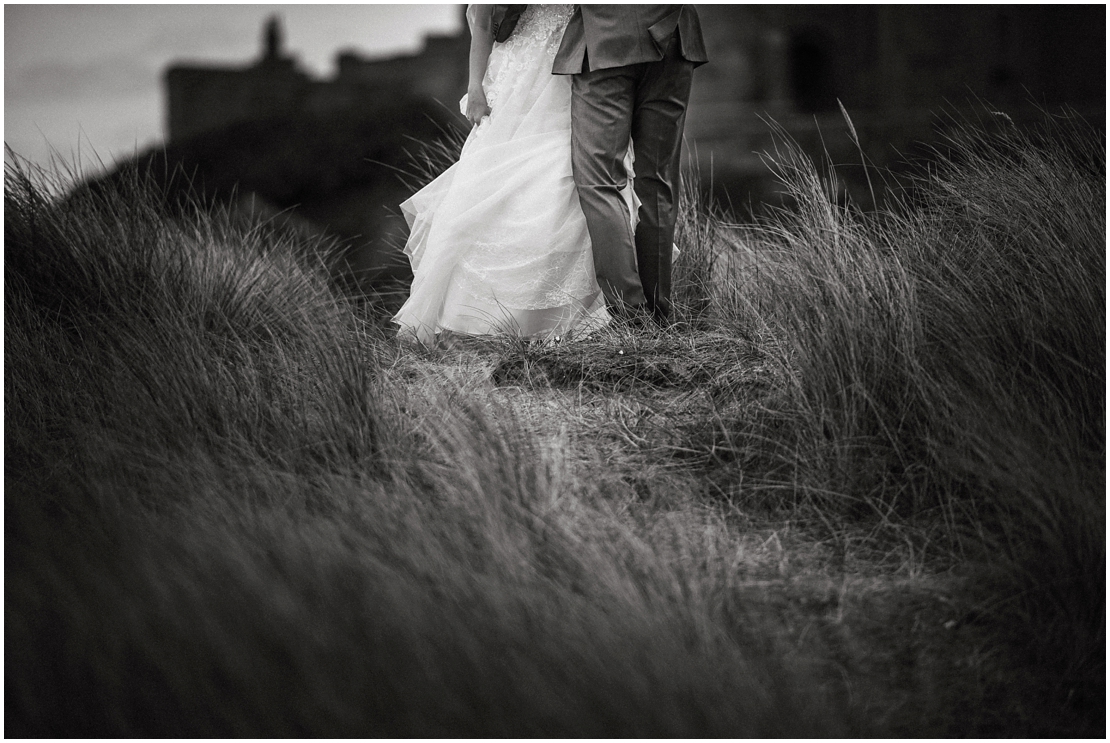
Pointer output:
632, 68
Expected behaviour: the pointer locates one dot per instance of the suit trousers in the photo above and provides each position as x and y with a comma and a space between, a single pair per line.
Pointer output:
644, 102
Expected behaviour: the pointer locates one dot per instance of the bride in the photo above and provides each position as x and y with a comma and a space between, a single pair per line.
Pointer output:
498, 242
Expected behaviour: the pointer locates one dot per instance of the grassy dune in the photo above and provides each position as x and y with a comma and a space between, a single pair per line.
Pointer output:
857, 489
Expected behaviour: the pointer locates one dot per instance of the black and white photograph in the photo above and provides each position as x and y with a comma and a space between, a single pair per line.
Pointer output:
552, 371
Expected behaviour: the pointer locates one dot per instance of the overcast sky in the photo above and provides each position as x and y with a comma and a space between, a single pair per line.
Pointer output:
90, 75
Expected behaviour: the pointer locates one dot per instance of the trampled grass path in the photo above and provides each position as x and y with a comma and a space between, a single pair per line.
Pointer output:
887, 622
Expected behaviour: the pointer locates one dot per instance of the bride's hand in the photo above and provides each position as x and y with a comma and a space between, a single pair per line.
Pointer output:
476, 106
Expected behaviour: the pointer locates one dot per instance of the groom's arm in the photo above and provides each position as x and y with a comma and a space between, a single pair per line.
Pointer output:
478, 17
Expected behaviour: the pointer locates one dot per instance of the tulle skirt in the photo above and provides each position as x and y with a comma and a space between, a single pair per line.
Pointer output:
498, 242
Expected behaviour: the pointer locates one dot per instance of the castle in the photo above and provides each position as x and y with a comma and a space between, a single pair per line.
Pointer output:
893, 68
201, 99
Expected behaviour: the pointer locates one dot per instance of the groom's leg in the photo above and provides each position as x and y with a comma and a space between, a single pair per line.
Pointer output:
661, 98
601, 121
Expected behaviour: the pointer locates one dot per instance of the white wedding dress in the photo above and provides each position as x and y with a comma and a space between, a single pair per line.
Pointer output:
498, 242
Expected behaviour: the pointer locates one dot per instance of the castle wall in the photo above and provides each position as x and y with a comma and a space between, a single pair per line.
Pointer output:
439, 72
206, 99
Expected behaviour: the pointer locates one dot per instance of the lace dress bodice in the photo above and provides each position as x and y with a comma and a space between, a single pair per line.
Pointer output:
538, 23
534, 43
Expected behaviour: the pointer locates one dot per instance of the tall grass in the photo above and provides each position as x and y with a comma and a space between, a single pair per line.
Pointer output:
223, 517
234, 507
944, 360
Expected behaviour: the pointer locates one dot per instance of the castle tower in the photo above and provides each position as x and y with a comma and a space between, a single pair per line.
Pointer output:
202, 98
272, 39
273, 53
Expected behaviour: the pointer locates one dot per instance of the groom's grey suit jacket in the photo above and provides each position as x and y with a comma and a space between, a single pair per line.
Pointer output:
618, 35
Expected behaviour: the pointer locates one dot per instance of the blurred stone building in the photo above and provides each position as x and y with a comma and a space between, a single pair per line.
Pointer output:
894, 68
208, 98
898, 71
